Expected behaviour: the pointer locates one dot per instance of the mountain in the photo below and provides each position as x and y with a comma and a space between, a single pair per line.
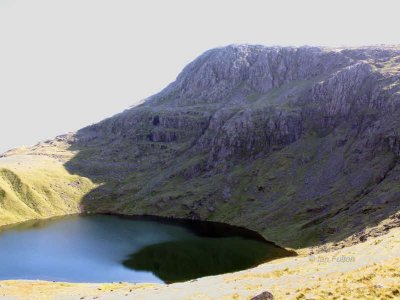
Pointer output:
299, 144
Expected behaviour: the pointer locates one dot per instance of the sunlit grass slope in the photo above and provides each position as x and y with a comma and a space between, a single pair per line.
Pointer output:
38, 186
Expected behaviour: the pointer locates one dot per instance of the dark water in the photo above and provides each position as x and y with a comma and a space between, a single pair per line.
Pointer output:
101, 248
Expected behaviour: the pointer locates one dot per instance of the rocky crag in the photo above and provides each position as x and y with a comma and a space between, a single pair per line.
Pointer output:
299, 144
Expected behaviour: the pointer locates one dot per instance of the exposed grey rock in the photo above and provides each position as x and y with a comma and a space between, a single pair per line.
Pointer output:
316, 128
218, 72
263, 296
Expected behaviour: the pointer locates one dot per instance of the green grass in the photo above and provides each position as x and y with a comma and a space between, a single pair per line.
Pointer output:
38, 187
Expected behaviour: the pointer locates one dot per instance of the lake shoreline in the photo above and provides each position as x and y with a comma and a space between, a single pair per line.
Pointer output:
137, 249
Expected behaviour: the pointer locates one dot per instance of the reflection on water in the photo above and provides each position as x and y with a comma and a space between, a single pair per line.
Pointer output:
101, 248
193, 258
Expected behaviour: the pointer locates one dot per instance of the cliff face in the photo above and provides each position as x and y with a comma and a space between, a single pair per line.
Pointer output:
300, 144
216, 76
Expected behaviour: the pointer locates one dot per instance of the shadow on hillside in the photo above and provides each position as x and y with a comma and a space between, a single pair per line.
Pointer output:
113, 162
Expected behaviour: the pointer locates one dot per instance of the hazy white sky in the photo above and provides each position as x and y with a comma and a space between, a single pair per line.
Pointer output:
67, 64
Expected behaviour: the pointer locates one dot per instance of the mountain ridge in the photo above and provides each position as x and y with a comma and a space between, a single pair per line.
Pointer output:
299, 144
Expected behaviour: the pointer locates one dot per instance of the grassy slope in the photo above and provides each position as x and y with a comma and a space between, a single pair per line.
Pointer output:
282, 210
38, 186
